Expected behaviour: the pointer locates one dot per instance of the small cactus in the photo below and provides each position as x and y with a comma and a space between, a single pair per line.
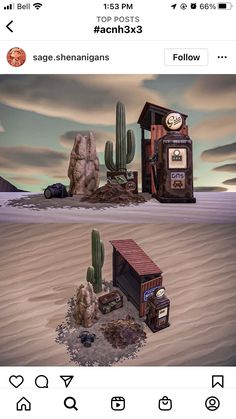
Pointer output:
94, 272
124, 155
90, 275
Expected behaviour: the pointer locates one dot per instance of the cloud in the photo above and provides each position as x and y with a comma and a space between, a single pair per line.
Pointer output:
60, 177
215, 127
222, 153
25, 180
230, 182
212, 92
210, 189
88, 99
67, 139
27, 160
226, 168
2, 129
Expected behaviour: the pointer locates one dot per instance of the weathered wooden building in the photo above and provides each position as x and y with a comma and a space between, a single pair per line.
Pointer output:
150, 120
134, 273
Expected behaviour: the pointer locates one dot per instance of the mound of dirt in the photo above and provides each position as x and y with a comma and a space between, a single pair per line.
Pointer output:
124, 332
116, 194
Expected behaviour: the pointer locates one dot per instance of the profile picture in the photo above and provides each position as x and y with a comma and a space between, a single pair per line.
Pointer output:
16, 57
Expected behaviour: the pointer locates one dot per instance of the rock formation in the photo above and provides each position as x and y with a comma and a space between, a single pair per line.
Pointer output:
83, 170
6, 186
86, 311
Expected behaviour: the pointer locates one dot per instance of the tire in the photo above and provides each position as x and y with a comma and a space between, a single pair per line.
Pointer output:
48, 193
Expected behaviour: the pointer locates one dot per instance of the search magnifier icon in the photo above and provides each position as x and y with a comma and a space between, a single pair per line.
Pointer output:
70, 403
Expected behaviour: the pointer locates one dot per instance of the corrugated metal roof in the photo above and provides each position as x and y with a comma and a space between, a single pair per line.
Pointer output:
136, 257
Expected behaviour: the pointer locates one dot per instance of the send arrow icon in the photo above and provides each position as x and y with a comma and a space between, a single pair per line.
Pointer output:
67, 379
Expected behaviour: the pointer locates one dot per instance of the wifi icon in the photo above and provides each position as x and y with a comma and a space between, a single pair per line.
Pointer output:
37, 5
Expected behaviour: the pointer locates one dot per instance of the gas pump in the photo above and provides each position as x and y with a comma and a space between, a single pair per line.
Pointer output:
172, 163
158, 310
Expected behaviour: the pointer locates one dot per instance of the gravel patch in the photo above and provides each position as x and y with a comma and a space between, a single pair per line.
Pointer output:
101, 353
37, 202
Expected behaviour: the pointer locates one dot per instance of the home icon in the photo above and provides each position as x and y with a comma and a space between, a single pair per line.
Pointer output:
23, 404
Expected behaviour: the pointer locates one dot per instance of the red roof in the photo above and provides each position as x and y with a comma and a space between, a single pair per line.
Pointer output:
136, 257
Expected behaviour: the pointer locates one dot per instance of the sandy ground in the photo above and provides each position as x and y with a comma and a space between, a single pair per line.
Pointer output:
101, 353
42, 265
213, 207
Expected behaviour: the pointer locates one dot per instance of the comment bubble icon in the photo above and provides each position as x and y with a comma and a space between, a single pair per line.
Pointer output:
41, 381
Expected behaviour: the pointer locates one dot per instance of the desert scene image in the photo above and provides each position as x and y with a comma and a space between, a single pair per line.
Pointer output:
117, 148
44, 265
117, 220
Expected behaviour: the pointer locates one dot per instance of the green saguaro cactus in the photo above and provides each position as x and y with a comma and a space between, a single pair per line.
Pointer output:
124, 154
94, 272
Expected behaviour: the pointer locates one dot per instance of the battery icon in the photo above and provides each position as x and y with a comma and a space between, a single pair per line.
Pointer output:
225, 6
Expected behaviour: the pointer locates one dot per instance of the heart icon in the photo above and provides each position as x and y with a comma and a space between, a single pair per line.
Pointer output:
16, 380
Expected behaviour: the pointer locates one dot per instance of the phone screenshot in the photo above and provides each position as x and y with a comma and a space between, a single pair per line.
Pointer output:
117, 209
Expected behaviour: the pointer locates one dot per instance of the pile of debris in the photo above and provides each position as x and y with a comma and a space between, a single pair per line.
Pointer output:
123, 332
116, 194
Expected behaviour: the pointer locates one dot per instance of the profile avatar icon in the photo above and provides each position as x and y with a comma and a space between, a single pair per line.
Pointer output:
16, 57
212, 403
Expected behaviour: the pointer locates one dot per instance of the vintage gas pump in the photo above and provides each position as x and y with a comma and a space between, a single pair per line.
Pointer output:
173, 164
157, 312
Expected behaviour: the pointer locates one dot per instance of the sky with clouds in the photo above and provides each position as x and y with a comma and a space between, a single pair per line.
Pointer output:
40, 116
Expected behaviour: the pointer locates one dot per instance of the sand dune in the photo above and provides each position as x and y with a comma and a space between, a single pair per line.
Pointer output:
213, 207
42, 265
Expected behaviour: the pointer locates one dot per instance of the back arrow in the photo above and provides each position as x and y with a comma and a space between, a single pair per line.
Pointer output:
8, 26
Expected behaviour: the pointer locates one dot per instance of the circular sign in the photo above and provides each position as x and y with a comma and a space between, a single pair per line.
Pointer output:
173, 121
176, 152
16, 57
131, 185
160, 292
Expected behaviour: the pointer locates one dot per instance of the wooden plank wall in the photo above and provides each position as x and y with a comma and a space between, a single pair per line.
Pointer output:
144, 287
